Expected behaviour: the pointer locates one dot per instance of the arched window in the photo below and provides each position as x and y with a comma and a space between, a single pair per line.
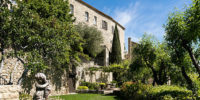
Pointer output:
86, 16
95, 20
104, 25
113, 29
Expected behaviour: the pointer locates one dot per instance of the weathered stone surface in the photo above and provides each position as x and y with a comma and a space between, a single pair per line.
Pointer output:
79, 13
9, 92
83, 74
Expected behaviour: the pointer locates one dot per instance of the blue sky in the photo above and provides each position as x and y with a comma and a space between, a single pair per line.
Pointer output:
140, 16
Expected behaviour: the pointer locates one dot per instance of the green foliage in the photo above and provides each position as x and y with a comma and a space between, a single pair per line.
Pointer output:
141, 91
82, 88
94, 69
92, 37
91, 86
23, 96
4, 24
136, 91
43, 31
182, 36
120, 71
182, 32
165, 91
196, 83
102, 84
41, 35
150, 56
115, 56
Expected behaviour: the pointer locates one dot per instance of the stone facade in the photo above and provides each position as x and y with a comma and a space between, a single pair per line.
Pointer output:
14, 69
9, 92
95, 18
83, 74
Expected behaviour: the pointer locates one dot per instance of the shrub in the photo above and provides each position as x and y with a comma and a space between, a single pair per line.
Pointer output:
93, 39
137, 91
102, 84
24, 96
91, 86
82, 88
165, 91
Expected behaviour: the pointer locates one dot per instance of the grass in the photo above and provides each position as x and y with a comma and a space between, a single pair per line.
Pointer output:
85, 97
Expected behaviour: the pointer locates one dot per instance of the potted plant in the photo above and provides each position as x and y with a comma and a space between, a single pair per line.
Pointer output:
102, 85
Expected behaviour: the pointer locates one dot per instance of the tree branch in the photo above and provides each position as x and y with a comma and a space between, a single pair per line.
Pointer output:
194, 61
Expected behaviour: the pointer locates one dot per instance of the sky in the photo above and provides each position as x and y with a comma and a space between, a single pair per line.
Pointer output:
140, 16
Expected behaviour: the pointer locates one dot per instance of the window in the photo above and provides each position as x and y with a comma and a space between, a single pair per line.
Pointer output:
104, 25
113, 29
86, 16
95, 20
71, 9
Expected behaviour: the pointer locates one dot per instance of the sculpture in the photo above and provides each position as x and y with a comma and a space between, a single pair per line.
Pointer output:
42, 87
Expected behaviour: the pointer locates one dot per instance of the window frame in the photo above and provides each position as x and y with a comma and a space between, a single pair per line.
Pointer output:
86, 16
71, 9
95, 20
104, 25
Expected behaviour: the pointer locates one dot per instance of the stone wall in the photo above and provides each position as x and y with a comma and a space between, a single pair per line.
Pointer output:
9, 92
11, 65
83, 74
12, 68
79, 14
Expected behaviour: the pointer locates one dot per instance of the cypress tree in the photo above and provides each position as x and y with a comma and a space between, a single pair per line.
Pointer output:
115, 55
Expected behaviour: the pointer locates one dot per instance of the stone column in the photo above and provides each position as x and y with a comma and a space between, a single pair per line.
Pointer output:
129, 47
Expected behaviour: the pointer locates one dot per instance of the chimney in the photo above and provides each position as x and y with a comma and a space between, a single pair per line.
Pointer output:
129, 47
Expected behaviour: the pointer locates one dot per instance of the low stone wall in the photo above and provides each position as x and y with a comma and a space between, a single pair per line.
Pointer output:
83, 74
9, 92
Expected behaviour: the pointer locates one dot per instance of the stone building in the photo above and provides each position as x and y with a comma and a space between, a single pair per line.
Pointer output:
83, 13
131, 46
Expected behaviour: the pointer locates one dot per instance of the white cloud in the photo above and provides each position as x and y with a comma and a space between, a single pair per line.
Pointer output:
136, 39
139, 17
125, 15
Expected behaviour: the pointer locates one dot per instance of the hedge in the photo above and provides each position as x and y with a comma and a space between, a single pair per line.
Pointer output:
139, 91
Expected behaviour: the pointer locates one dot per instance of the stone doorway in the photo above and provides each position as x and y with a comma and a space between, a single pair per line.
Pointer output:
71, 83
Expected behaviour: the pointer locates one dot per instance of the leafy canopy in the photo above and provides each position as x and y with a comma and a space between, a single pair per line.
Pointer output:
115, 55
92, 37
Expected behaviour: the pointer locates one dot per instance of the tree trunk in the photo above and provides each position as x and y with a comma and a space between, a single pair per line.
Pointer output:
25, 72
194, 61
188, 80
162, 76
155, 75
